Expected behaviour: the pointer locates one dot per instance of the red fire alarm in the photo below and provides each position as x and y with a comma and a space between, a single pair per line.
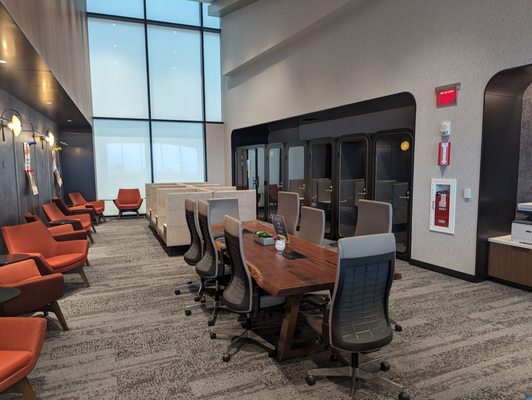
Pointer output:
444, 154
447, 95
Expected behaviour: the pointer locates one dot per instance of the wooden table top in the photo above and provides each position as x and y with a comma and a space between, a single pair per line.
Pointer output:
280, 276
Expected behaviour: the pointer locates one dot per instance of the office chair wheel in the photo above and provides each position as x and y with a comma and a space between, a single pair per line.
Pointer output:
385, 366
197, 298
226, 358
311, 381
188, 312
203, 300
189, 282
212, 335
333, 358
177, 292
398, 328
404, 396
211, 322
272, 353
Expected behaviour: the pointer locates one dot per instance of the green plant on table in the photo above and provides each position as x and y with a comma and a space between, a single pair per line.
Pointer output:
263, 234
280, 237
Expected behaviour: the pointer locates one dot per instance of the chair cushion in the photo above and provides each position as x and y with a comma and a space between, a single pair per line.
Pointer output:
132, 206
65, 260
12, 361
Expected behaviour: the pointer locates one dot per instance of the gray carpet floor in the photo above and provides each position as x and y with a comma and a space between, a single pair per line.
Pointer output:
130, 339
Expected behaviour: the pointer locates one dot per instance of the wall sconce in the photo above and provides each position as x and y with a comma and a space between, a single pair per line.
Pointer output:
50, 138
14, 124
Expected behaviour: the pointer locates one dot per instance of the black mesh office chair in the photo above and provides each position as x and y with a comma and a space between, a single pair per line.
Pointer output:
195, 251
242, 295
213, 267
357, 320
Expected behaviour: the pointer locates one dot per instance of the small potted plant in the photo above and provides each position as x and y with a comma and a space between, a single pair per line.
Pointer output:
263, 237
280, 242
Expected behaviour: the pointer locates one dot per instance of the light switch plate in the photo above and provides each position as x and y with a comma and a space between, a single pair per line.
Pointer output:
445, 128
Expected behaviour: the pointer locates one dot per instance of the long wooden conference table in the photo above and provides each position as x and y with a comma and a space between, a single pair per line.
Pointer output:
291, 278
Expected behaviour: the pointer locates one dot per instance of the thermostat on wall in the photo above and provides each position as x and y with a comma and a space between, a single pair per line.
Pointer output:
445, 128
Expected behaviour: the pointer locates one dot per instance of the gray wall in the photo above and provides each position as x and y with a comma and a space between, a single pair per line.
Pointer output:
524, 189
287, 58
78, 165
16, 196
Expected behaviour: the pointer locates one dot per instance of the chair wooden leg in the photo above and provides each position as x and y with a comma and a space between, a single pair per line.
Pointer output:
89, 234
119, 214
23, 387
94, 228
54, 307
87, 263
81, 272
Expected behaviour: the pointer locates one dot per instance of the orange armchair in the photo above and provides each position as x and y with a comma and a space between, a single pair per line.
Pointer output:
77, 200
128, 200
50, 255
37, 292
21, 341
61, 231
75, 210
55, 216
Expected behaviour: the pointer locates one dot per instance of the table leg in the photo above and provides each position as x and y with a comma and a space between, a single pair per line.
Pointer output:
288, 326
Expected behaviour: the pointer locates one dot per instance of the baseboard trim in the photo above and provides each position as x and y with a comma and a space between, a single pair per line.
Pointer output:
509, 283
445, 271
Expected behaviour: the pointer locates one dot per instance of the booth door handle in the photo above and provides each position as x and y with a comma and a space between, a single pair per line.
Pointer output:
405, 197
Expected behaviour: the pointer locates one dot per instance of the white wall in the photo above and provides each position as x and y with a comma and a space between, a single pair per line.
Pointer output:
284, 58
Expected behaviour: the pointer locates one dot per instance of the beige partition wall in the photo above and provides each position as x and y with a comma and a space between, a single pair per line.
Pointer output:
175, 231
149, 190
159, 219
247, 202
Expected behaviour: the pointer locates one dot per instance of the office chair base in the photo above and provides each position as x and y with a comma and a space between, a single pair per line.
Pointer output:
358, 376
203, 304
189, 285
238, 337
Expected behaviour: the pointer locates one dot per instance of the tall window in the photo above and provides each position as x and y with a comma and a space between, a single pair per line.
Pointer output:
156, 83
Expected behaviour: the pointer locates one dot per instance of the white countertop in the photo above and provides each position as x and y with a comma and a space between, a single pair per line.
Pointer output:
507, 240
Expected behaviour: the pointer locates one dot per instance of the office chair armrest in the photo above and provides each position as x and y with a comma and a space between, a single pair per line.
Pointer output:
42, 264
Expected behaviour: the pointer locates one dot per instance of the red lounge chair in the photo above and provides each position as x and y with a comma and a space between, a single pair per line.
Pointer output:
50, 255
75, 210
56, 217
61, 231
21, 340
128, 200
38, 293
77, 199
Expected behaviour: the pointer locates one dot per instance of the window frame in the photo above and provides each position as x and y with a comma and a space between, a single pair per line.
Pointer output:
146, 22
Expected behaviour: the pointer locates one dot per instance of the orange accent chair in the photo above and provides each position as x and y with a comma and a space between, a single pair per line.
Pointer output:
21, 341
128, 200
77, 200
55, 215
76, 210
61, 231
50, 255
37, 292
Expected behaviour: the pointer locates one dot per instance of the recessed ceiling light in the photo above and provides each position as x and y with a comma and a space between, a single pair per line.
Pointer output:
48, 102
69, 120
3, 61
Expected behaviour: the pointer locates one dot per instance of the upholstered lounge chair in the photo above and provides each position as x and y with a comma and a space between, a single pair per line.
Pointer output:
38, 292
50, 255
78, 200
128, 200
21, 340
61, 231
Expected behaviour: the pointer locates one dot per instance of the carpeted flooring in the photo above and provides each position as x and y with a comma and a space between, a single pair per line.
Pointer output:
130, 339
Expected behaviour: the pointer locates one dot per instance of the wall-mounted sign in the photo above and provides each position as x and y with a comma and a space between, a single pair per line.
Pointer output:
29, 171
442, 205
447, 96
444, 154
55, 169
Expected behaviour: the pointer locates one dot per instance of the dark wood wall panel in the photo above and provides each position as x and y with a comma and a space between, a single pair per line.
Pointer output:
57, 29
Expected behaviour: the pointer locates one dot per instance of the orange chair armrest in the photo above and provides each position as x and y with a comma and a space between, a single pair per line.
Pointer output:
73, 246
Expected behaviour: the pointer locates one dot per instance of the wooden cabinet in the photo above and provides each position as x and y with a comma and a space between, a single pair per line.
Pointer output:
510, 261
